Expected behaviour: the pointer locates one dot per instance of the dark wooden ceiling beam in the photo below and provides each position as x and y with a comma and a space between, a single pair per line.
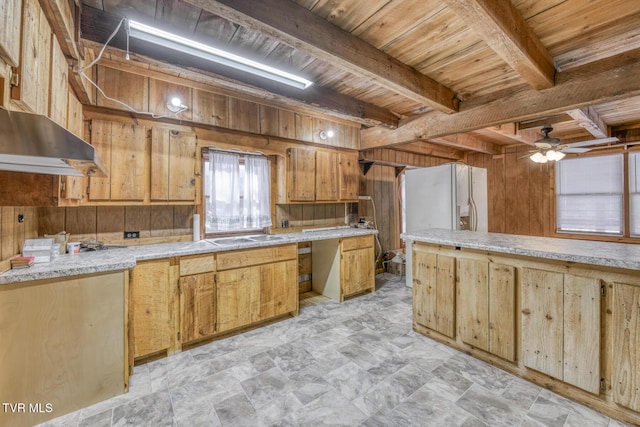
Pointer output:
504, 29
302, 29
315, 99
607, 80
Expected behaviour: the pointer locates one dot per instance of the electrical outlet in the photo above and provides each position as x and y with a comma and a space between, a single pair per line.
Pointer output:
132, 235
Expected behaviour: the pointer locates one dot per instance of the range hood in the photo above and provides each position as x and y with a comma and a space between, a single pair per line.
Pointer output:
35, 143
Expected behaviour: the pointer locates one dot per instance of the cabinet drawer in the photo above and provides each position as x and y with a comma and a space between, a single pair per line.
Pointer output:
248, 257
196, 264
360, 242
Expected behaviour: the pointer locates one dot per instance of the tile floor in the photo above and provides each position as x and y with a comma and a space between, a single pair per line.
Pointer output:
358, 363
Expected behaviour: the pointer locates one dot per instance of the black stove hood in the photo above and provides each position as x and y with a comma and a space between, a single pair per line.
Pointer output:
35, 143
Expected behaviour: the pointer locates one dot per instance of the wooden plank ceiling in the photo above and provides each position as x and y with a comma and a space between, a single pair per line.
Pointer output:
472, 75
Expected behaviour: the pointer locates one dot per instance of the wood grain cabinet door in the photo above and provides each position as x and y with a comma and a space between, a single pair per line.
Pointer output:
173, 165
302, 175
434, 290
238, 298
326, 176
197, 306
278, 288
561, 326
349, 174
626, 346
152, 299
356, 271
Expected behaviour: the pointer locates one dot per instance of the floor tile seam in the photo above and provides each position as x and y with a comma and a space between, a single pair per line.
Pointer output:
522, 413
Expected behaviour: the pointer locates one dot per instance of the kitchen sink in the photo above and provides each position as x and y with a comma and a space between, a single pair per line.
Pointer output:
227, 241
265, 237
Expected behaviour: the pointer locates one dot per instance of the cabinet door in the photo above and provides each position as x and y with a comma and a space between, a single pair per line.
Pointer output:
626, 346
302, 175
238, 298
35, 60
486, 304
542, 324
173, 165
10, 13
197, 306
74, 186
349, 173
122, 149
356, 271
434, 291
326, 176
153, 289
278, 288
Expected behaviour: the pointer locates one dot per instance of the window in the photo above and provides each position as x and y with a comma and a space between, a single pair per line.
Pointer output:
236, 192
589, 195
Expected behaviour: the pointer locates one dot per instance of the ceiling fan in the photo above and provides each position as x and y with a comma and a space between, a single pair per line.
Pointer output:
550, 149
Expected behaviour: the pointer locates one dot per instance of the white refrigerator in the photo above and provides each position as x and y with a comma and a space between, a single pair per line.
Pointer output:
452, 196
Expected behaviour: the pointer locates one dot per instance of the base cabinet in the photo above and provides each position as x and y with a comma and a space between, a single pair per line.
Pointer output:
197, 306
626, 346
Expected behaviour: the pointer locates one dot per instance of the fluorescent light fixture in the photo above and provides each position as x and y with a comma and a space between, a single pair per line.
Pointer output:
200, 50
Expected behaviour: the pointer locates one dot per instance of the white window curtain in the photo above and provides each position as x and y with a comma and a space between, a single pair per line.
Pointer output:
222, 186
589, 194
256, 206
237, 192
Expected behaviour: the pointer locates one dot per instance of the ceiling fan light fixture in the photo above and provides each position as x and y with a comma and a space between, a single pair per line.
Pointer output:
191, 47
555, 155
539, 157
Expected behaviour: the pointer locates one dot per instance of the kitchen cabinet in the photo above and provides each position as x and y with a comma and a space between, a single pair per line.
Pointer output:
33, 72
357, 265
349, 174
561, 326
326, 185
255, 285
197, 297
626, 346
122, 149
321, 176
173, 165
434, 287
152, 309
486, 306
343, 267
10, 18
72, 188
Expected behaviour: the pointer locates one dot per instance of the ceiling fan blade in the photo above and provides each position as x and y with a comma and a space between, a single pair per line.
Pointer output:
590, 142
574, 150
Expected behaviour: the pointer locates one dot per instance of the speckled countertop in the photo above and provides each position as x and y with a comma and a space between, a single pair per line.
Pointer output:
619, 255
125, 258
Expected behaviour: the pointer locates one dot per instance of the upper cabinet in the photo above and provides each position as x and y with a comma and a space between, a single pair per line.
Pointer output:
173, 165
121, 148
320, 176
30, 89
10, 18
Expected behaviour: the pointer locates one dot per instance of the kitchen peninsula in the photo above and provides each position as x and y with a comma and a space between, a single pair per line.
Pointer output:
77, 323
561, 313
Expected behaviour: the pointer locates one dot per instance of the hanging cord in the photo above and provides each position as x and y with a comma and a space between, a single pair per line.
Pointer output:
82, 70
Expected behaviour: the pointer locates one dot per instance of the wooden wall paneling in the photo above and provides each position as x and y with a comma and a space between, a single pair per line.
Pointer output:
538, 203
161, 221
58, 84
496, 193
304, 127
10, 13
307, 215
183, 220
81, 223
320, 215
132, 89
138, 218
9, 219
582, 332
286, 124
295, 216
318, 125
128, 162
74, 187
244, 115
517, 198
330, 214
269, 124
100, 188
161, 92
109, 221
542, 321
210, 108
51, 220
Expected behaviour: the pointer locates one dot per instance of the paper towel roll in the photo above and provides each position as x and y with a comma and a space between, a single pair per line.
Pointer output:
196, 227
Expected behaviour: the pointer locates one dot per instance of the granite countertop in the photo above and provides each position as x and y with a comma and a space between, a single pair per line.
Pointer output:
125, 258
608, 254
